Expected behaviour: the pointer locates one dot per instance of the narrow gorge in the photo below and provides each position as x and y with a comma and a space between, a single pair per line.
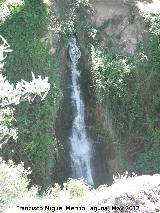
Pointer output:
78, 127
79, 103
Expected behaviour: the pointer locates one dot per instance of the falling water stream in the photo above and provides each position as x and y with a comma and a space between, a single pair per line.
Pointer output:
80, 145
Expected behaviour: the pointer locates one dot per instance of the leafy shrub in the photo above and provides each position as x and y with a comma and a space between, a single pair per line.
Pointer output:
75, 188
13, 183
148, 162
109, 73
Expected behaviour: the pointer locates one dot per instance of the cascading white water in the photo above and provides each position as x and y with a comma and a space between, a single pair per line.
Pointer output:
80, 145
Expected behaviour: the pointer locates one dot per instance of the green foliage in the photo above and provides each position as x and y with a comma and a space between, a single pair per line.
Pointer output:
153, 21
36, 145
109, 73
129, 89
74, 18
40, 151
75, 188
23, 30
35, 3
148, 162
149, 158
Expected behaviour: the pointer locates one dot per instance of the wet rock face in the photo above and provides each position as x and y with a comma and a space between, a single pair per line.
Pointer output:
137, 194
119, 22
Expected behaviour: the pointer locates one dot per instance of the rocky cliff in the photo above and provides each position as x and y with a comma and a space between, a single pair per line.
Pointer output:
137, 194
119, 22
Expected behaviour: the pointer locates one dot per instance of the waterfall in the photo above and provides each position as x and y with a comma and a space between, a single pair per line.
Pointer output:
80, 145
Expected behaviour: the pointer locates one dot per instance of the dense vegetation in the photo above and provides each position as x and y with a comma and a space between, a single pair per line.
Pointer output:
24, 29
128, 87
